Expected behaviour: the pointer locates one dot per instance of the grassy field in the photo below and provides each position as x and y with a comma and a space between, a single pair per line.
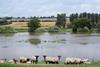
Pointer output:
42, 64
49, 65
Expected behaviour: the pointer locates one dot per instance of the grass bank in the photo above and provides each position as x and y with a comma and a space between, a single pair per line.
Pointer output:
53, 30
21, 30
49, 65
93, 64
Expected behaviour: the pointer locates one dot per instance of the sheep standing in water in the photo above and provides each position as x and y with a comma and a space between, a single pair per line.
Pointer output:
52, 60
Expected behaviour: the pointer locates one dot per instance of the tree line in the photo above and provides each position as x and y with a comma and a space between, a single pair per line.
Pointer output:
93, 17
83, 20
78, 21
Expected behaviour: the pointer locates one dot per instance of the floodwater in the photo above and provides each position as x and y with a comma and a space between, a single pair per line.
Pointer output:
63, 44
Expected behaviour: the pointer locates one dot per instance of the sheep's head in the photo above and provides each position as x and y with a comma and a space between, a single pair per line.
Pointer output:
44, 57
59, 57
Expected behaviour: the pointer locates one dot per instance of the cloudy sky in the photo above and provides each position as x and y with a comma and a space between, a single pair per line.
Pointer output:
47, 7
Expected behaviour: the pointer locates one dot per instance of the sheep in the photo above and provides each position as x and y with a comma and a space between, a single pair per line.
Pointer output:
23, 60
11, 61
53, 60
34, 59
86, 61
73, 61
78, 61
2, 61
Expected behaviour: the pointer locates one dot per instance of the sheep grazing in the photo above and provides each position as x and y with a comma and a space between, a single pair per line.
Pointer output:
52, 60
86, 61
34, 59
14, 61
23, 60
2, 61
73, 61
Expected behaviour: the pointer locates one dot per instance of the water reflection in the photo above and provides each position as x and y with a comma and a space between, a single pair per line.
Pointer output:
34, 41
4, 46
7, 34
65, 45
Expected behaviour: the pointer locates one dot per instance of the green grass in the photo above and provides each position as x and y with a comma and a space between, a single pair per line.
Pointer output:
53, 30
34, 41
48, 65
65, 30
42, 64
21, 30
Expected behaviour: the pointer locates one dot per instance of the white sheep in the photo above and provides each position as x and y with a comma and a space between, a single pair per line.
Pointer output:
11, 61
35, 59
73, 61
53, 60
23, 60
86, 61
2, 61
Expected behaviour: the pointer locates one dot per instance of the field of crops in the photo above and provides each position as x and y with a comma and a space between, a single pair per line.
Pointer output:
23, 25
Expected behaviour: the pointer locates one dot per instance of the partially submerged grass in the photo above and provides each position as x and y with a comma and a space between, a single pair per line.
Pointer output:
34, 41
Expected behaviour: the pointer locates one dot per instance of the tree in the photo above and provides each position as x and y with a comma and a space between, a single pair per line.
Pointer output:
93, 17
98, 27
61, 20
33, 24
81, 23
3, 21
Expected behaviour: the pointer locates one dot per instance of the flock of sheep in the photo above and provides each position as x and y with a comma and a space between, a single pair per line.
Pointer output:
47, 60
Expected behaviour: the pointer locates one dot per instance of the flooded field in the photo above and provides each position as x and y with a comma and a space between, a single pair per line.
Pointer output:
65, 45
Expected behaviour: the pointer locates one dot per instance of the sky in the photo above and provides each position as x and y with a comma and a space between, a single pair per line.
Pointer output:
47, 7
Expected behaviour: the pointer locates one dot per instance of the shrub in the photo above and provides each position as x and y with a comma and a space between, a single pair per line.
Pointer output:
6, 29
33, 24
53, 29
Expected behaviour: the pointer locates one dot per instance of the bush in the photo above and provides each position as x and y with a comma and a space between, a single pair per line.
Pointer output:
69, 25
6, 29
33, 24
98, 27
53, 29
83, 30
39, 30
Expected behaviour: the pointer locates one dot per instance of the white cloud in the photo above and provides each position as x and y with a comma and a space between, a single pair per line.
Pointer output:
46, 7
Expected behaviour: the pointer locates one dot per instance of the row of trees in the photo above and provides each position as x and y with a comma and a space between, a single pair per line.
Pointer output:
84, 20
3, 22
7, 17
93, 17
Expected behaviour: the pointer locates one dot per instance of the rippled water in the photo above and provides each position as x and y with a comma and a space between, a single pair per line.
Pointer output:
66, 45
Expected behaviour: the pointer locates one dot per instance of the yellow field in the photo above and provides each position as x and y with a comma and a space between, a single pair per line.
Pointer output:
24, 24
47, 24
19, 24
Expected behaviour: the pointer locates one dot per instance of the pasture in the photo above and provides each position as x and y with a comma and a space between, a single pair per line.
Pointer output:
96, 64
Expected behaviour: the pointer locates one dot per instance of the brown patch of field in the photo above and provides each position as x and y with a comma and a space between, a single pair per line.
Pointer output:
24, 24
47, 24
18, 24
